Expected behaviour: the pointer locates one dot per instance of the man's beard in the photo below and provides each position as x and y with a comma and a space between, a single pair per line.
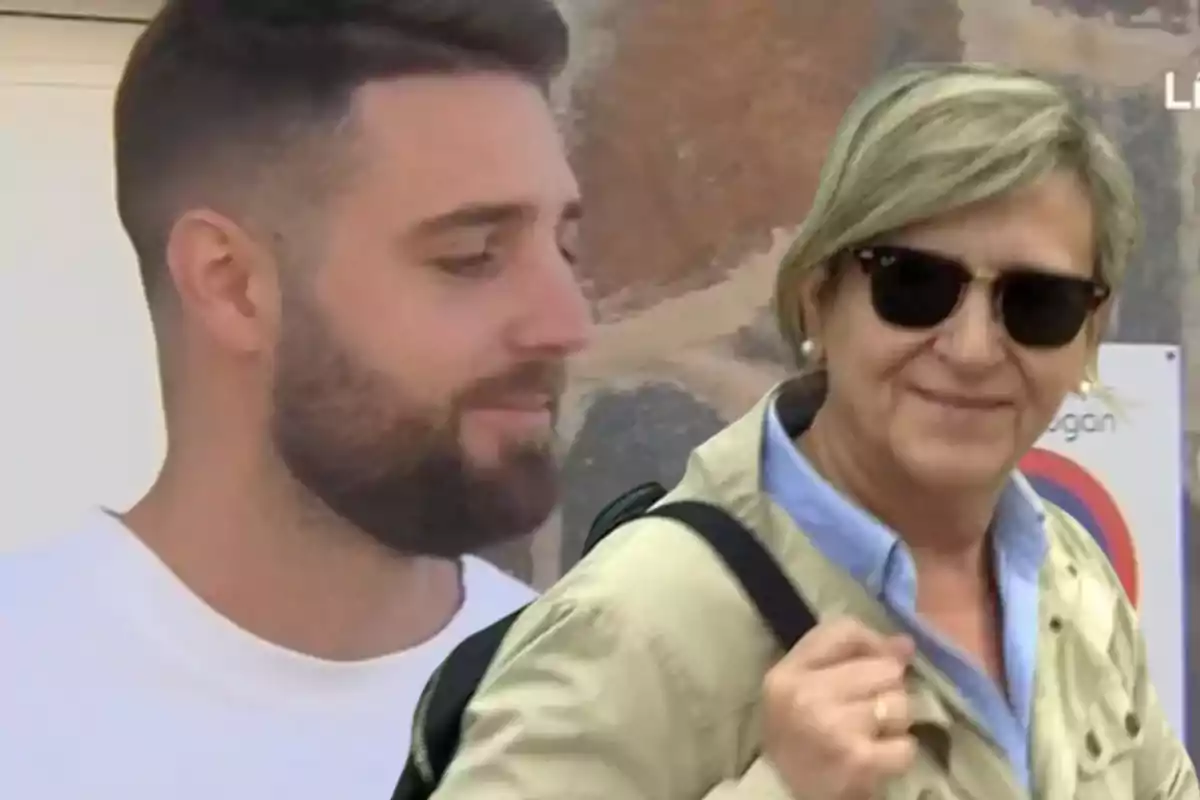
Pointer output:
399, 474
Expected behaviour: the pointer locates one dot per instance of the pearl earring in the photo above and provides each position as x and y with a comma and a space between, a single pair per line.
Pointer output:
807, 348
1085, 389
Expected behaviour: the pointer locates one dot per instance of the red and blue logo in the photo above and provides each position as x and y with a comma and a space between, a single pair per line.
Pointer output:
1072, 488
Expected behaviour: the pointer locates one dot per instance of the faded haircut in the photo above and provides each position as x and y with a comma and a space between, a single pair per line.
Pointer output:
237, 105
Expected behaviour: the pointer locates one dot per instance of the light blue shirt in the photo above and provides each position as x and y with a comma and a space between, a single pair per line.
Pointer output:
873, 554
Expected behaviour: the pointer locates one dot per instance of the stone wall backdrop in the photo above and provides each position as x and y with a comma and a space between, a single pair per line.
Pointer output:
698, 127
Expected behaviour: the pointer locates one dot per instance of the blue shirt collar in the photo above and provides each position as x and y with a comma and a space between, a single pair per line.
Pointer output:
858, 542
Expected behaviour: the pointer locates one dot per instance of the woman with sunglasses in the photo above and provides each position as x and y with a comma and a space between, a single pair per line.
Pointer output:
948, 289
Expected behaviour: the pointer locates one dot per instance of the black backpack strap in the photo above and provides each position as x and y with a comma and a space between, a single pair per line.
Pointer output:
446, 696
627, 507
780, 605
439, 711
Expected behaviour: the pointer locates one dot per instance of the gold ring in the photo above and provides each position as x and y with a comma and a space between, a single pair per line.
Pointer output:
881, 714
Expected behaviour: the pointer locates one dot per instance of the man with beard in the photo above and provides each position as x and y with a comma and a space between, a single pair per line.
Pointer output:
355, 225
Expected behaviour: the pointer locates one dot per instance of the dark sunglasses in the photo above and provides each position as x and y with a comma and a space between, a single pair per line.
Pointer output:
916, 289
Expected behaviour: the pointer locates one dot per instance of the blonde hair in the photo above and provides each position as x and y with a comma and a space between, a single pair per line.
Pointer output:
929, 139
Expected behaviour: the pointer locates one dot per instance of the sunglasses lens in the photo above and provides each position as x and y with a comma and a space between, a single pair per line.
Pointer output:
1041, 310
910, 289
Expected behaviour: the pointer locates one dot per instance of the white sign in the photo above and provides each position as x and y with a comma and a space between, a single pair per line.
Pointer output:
1180, 93
1114, 462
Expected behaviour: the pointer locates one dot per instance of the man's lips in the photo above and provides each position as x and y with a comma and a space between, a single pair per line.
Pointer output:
526, 403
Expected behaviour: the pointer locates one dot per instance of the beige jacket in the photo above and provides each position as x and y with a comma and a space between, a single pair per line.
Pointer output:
637, 676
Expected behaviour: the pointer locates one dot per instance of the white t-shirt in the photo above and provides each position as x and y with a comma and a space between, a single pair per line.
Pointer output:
118, 683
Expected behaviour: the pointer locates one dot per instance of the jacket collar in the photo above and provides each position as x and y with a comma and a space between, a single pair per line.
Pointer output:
727, 470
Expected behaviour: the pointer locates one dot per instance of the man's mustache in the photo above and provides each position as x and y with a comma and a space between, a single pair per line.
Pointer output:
547, 378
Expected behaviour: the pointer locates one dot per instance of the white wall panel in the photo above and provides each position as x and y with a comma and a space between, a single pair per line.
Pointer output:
80, 417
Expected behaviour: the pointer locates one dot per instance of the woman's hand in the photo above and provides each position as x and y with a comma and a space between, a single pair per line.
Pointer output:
836, 712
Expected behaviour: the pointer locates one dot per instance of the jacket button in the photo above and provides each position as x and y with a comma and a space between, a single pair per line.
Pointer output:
1056, 624
1133, 725
1093, 744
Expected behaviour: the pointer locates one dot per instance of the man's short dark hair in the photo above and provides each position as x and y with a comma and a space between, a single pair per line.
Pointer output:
224, 101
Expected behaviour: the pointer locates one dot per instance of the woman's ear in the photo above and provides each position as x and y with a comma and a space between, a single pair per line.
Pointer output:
1096, 327
1094, 335
812, 290
1098, 324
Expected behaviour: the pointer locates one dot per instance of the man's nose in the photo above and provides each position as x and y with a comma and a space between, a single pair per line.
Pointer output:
555, 315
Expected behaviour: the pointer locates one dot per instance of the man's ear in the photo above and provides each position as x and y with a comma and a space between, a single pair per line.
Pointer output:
224, 280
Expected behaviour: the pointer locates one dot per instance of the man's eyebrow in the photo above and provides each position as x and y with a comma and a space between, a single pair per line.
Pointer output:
480, 215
